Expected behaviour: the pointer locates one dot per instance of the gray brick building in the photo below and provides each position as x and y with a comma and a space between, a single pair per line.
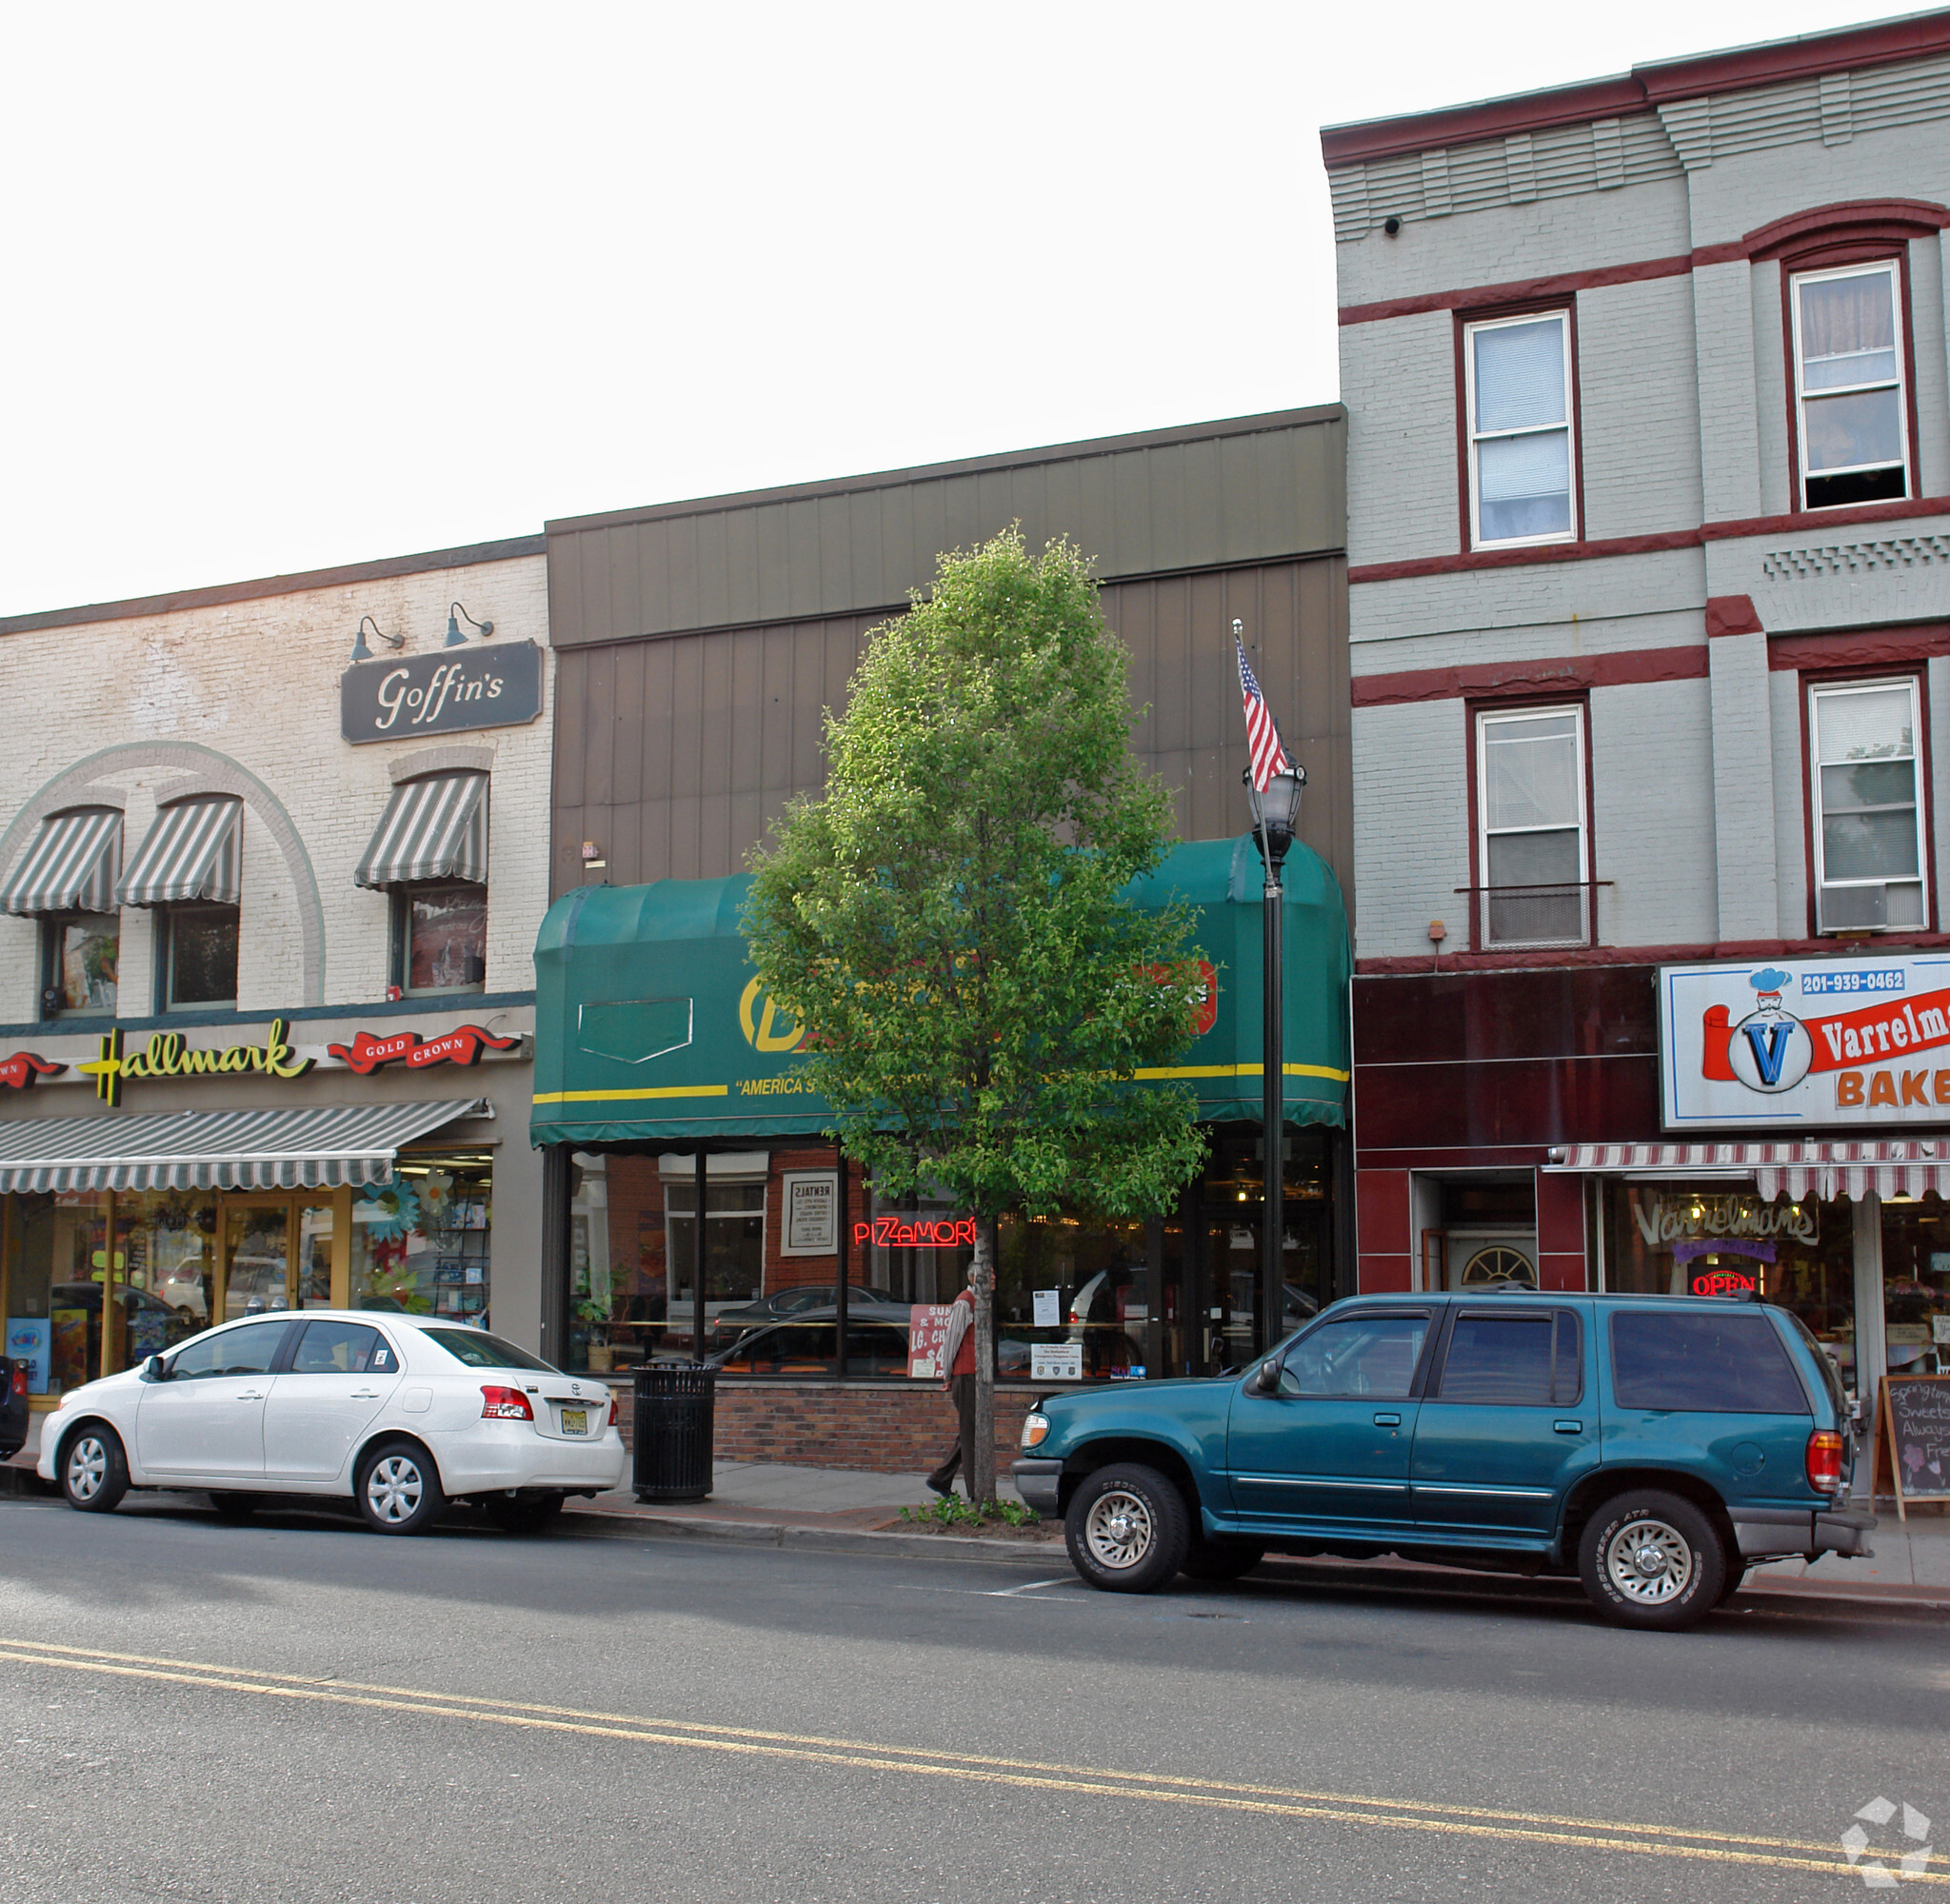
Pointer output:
1649, 540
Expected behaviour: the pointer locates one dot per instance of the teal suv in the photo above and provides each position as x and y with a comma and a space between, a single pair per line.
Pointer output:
1653, 1447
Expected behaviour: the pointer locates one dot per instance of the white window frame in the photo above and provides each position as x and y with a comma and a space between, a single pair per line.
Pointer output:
1477, 539
1900, 322
1834, 691
1487, 718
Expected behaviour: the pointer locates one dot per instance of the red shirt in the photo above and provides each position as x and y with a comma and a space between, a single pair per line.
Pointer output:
965, 1351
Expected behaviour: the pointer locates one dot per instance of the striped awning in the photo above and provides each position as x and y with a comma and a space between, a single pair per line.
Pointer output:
1910, 1167
190, 852
434, 829
219, 1150
71, 865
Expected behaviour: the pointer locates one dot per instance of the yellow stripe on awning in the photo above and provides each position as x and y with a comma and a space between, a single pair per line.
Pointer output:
622, 1097
1150, 1073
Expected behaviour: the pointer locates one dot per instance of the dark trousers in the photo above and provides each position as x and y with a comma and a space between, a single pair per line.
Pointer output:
961, 1388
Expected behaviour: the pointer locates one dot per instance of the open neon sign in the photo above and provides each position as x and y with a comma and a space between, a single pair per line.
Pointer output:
924, 1233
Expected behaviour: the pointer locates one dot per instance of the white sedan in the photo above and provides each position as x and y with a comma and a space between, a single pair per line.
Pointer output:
402, 1414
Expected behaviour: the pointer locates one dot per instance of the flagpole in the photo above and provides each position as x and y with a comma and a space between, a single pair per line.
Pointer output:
1272, 1073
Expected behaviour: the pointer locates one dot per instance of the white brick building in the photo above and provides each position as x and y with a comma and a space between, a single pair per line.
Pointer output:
1649, 559
134, 723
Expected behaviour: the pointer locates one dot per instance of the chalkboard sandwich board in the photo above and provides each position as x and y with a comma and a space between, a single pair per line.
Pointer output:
1915, 1415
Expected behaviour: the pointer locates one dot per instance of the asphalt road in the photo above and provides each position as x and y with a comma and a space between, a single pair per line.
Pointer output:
297, 1709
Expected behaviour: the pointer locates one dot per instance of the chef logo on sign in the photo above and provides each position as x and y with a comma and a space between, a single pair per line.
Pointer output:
1770, 1049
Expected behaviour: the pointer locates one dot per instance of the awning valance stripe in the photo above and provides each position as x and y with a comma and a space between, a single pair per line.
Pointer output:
434, 829
72, 866
1910, 1167
191, 852
314, 1148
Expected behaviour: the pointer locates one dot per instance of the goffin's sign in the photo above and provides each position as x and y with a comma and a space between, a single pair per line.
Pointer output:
167, 1055
449, 691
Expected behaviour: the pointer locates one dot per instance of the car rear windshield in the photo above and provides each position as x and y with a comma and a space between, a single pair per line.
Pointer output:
1694, 1363
479, 1350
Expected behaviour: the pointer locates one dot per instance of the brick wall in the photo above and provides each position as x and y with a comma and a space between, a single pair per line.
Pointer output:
890, 1430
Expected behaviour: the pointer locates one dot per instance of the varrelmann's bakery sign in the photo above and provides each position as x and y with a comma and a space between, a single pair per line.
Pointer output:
1806, 1043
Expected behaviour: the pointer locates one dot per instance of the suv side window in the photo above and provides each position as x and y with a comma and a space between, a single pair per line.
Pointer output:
1700, 1364
1356, 1355
1529, 1359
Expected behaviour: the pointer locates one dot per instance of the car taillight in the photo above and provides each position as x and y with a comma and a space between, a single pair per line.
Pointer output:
19, 1382
505, 1404
1824, 1460
611, 1422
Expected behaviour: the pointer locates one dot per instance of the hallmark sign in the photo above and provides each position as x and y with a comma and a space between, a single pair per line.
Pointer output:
449, 691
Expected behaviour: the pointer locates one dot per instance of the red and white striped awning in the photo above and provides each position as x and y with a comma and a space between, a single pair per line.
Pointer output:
1912, 1167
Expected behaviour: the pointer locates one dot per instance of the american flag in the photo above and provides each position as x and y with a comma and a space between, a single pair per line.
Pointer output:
1261, 731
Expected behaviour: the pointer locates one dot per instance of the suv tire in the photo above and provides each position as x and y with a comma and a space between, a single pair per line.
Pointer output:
1652, 1560
1128, 1530
1220, 1560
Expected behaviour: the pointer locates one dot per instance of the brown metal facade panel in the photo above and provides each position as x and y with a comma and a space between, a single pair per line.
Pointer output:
722, 728
1252, 490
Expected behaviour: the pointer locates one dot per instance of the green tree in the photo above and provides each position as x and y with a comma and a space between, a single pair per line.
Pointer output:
946, 923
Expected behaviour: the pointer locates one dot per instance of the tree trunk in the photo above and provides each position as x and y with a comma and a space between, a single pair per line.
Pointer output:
979, 1474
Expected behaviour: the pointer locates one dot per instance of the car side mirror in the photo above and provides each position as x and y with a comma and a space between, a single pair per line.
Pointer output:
155, 1370
1266, 1378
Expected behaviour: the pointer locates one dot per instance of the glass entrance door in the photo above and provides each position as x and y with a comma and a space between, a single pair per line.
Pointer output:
277, 1255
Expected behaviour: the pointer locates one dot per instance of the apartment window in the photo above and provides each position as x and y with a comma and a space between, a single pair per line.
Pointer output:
197, 951
440, 937
80, 955
1853, 411
1868, 826
1517, 377
1531, 844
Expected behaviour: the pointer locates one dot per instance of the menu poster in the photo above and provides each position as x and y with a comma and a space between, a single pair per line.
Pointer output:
926, 1332
1916, 1417
27, 1341
68, 1362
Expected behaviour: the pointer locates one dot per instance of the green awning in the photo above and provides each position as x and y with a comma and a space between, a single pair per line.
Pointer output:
651, 1027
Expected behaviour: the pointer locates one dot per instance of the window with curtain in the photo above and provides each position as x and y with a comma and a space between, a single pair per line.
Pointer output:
1853, 411
1517, 374
1869, 860
1531, 827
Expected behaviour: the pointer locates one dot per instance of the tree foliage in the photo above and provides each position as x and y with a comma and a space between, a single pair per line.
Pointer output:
945, 921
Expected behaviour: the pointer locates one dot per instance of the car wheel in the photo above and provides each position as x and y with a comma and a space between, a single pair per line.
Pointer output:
95, 1471
1127, 1529
234, 1506
534, 1514
1220, 1560
1652, 1560
399, 1491
1736, 1580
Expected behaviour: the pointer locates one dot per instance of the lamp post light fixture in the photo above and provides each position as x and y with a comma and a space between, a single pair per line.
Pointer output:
360, 651
455, 616
1276, 816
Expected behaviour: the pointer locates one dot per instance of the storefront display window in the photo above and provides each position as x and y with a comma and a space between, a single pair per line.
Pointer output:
57, 1262
1722, 1240
421, 1242
166, 1243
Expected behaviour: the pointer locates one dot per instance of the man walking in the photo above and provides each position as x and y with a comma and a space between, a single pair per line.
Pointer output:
957, 1379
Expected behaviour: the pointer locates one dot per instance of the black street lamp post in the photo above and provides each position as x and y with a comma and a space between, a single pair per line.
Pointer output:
1276, 813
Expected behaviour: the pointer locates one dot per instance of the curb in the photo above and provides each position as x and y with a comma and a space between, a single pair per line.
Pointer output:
609, 1525
1405, 1576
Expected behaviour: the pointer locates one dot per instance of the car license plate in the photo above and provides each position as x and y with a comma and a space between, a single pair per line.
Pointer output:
575, 1420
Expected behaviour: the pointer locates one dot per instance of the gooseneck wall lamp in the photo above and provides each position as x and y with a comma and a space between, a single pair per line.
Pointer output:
360, 651
455, 616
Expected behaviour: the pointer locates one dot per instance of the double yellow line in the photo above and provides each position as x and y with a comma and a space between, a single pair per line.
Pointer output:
1467, 1821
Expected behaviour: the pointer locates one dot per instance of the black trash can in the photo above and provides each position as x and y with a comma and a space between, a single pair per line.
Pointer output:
673, 1431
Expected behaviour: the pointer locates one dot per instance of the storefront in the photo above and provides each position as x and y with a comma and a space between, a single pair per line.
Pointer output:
134, 1217
659, 1060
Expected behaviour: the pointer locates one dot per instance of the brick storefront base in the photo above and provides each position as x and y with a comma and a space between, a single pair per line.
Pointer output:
829, 1424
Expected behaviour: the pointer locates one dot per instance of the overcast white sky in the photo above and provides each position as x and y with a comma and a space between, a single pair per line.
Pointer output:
286, 286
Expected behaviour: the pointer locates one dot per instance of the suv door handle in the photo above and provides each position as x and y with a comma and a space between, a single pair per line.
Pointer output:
1387, 1422
1570, 1427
